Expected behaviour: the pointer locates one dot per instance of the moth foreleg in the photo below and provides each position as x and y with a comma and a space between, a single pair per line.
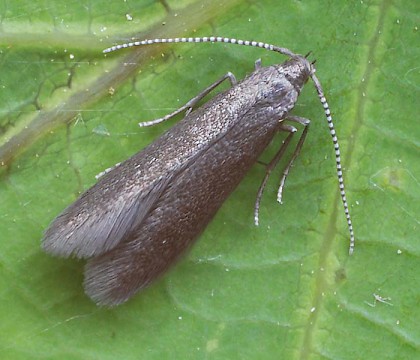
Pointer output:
270, 166
304, 122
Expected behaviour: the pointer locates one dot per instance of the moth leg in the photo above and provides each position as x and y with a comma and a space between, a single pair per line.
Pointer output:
106, 171
305, 123
190, 104
272, 164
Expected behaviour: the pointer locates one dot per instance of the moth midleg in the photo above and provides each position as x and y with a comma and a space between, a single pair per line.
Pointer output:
190, 104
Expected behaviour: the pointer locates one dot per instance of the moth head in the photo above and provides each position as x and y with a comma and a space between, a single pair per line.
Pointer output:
297, 70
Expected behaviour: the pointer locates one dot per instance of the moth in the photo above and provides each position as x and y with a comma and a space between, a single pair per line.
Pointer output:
141, 216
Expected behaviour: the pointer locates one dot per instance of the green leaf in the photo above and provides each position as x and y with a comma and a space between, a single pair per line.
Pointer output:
286, 289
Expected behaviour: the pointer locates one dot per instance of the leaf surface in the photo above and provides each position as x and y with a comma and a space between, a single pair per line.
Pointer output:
286, 289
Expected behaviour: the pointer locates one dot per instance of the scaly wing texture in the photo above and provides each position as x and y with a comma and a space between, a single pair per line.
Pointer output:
180, 215
106, 213
98, 221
